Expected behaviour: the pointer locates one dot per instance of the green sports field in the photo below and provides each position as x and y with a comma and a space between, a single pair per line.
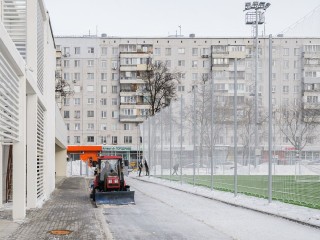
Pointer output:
299, 190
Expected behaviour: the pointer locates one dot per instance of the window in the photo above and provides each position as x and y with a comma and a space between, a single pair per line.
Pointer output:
286, 64
103, 127
104, 50
90, 63
68, 139
181, 76
76, 76
90, 139
90, 76
90, 126
127, 139
103, 114
296, 64
194, 76
103, 89
103, 64
114, 140
114, 89
168, 63
66, 50
90, 100
90, 88
76, 139
66, 63
115, 114
76, 63
181, 63
205, 51
103, 101
157, 51
114, 76
68, 126
115, 51
90, 113
90, 50
286, 52
77, 50
296, 76
181, 50
297, 51
114, 101
76, 101
274, 76
114, 64
168, 52
194, 63
66, 101
180, 88
77, 114
286, 76
103, 139
66, 76
103, 76
126, 126
77, 126
296, 89
205, 63
66, 114
194, 51
273, 89
285, 89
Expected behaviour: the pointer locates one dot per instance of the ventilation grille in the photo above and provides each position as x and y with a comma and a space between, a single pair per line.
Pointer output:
9, 103
40, 49
40, 150
14, 20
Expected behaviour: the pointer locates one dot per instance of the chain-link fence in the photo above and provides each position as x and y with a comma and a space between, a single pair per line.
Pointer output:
193, 141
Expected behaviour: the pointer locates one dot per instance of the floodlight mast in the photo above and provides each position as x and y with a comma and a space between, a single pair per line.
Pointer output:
256, 18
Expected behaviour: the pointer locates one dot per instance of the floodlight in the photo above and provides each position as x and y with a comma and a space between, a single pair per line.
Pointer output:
255, 4
248, 5
267, 5
261, 4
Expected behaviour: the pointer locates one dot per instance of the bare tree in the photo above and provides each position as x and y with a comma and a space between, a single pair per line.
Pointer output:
160, 86
298, 124
62, 88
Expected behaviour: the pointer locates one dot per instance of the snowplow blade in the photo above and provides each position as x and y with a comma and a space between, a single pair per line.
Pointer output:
115, 198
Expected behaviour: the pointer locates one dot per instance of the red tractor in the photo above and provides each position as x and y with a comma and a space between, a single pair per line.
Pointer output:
109, 186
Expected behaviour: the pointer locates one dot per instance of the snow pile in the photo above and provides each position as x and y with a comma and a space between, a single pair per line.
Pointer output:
296, 213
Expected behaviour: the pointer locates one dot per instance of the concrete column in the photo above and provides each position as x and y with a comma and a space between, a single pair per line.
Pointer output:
61, 162
19, 160
32, 150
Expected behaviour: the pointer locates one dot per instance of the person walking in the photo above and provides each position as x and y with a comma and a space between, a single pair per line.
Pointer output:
146, 167
175, 169
140, 167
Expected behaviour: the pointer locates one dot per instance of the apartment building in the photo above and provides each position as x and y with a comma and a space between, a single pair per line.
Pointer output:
108, 103
32, 132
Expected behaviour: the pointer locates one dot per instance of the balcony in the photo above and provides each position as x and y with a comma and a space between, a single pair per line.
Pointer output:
311, 80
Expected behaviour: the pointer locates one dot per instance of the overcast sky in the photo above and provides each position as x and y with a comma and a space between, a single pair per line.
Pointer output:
162, 17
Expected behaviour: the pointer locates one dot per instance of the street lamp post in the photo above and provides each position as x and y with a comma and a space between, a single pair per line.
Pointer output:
256, 17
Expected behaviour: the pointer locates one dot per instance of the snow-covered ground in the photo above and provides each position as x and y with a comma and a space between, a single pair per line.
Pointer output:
293, 212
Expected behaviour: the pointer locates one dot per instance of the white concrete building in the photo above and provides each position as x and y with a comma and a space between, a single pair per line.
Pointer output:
33, 144
104, 72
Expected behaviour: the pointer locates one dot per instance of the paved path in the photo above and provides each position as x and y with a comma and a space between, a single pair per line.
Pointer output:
68, 209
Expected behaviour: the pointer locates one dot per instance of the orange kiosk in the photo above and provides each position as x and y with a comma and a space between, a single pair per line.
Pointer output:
87, 153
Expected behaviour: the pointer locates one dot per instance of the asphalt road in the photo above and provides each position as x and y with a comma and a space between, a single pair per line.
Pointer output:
164, 213
152, 218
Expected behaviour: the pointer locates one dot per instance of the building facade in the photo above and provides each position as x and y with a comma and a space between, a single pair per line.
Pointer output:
108, 103
33, 151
